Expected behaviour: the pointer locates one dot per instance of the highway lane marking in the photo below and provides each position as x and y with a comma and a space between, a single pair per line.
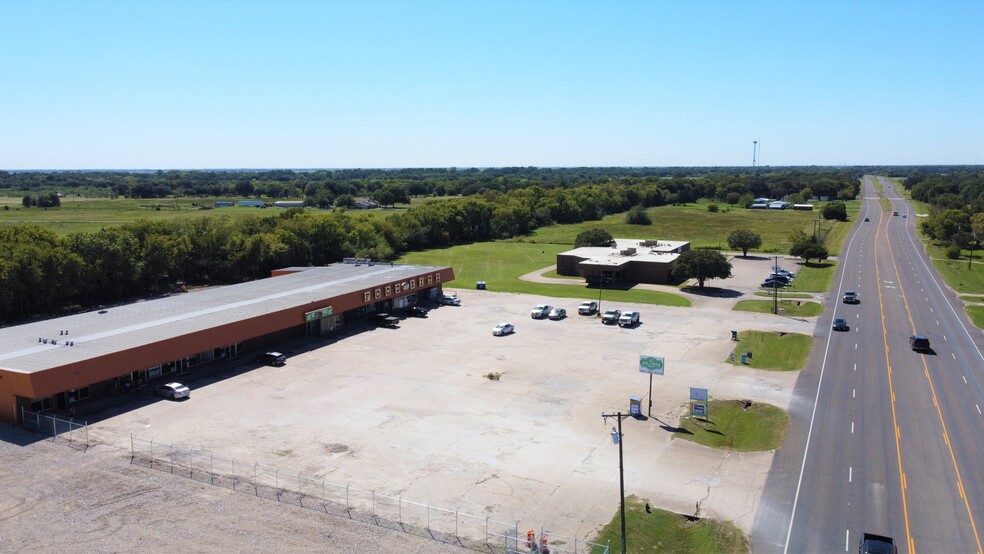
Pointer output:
852, 427
979, 409
855, 366
964, 378
850, 474
939, 411
955, 357
937, 322
854, 394
847, 540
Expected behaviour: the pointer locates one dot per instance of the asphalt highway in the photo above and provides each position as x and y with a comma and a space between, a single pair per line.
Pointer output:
883, 439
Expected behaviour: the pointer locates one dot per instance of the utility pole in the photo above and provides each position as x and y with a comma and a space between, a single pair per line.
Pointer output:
775, 289
617, 439
754, 151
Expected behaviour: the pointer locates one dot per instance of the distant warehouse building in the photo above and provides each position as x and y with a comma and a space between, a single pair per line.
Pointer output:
804, 207
633, 261
288, 204
62, 363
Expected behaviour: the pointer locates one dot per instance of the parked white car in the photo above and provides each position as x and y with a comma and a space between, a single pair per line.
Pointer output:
449, 300
540, 311
557, 313
587, 307
503, 329
628, 319
173, 391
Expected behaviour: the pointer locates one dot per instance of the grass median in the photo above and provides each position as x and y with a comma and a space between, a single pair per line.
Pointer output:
773, 349
737, 425
813, 276
664, 531
976, 314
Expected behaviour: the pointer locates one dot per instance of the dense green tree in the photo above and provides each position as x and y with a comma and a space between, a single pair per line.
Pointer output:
744, 240
638, 216
702, 265
593, 237
943, 225
835, 210
809, 249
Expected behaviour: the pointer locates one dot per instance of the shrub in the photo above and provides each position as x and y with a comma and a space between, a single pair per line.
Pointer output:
713, 208
638, 216
953, 252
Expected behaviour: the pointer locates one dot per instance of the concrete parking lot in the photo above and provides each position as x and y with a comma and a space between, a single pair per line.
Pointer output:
410, 412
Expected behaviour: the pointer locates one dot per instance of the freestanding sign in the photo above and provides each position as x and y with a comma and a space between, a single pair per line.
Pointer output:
653, 365
698, 402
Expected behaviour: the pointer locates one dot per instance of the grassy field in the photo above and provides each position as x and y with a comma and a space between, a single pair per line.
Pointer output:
813, 276
705, 229
972, 298
730, 424
772, 350
691, 222
663, 531
976, 314
91, 214
961, 279
500, 264
791, 308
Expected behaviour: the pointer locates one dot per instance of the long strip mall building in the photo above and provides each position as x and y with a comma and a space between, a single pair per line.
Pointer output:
58, 364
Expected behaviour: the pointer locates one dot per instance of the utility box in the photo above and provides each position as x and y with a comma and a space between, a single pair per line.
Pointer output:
480, 285
734, 335
635, 405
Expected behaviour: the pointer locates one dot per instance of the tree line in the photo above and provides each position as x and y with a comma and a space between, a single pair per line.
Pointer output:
956, 207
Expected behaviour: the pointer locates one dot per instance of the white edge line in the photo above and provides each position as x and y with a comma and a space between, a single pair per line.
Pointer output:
816, 400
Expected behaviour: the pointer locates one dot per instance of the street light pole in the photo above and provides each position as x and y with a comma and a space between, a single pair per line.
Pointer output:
617, 439
601, 285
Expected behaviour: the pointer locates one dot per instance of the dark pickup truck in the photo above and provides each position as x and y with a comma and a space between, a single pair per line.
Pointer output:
877, 544
384, 320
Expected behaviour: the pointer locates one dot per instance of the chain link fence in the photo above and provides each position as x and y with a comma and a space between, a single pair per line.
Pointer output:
67, 431
447, 525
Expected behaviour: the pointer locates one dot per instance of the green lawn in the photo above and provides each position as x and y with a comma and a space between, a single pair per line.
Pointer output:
791, 308
972, 298
976, 314
963, 280
813, 276
664, 531
773, 350
729, 424
694, 223
500, 264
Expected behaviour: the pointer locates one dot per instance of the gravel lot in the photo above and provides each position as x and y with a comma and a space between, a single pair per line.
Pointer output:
409, 412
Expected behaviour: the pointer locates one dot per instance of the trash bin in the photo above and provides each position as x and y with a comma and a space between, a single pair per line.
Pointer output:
635, 405
734, 335
749, 354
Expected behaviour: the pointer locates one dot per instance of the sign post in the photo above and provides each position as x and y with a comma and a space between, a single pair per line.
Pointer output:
698, 402
652, 365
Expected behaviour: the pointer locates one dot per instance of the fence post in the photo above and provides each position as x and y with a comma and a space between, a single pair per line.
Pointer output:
54, 428
428, 515
151, 454
170, 448
86, 423
486, 530
131, 448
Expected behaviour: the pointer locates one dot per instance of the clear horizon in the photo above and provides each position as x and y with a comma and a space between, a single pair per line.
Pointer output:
218, 84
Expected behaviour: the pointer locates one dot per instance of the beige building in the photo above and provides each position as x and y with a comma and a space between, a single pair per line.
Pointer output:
630, 261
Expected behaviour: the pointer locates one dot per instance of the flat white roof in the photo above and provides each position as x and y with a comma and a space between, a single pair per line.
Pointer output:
131, 325
662, 252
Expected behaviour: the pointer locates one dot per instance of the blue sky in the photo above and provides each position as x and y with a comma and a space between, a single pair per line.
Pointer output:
301, 84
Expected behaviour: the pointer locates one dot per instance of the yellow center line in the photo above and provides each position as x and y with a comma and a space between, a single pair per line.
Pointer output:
891, 387
939, 412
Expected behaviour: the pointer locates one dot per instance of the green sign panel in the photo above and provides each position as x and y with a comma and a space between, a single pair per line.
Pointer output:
318, 314
651, 364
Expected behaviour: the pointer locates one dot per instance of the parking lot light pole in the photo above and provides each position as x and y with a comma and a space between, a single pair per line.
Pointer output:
601, 285
617, 439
